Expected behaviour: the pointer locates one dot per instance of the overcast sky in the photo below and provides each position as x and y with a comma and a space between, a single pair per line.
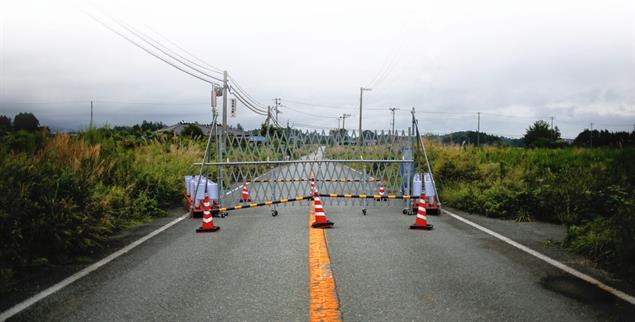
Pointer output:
514, 61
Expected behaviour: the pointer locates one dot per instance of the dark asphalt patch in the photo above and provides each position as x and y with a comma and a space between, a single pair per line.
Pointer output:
577, 289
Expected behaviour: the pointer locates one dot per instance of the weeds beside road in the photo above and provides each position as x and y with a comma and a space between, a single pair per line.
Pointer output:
62, 196
591, 191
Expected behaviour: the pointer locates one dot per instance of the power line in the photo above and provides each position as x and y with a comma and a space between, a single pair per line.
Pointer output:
210, 67
239, 88
309, 114
148, 50
314, 104
245, 99
150, 41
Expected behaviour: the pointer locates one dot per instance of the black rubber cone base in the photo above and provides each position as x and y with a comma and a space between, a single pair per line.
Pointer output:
426, 227
211, 230
326, 224
244, 200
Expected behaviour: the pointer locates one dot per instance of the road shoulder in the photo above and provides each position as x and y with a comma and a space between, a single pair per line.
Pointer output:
31, 283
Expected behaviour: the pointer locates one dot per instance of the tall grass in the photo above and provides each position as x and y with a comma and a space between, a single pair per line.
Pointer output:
64, 197
591, 191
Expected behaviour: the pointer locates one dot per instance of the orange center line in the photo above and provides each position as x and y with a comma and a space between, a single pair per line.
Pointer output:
324, 305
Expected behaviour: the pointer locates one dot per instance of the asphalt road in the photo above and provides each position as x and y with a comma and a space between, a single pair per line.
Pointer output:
256, 269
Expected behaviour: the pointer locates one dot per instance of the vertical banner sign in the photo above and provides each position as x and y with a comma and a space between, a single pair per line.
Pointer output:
234, 103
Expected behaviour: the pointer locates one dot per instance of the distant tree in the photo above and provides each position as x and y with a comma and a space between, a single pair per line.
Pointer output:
604, 138
25, 121
239, 127
270, 130
151, 126
5, 122
541, 135
192, 130
339, 133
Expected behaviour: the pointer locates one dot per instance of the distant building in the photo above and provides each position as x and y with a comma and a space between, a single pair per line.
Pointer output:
179, 127
206, 128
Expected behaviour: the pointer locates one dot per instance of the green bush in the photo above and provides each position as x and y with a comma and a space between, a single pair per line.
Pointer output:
61, 197
591, 191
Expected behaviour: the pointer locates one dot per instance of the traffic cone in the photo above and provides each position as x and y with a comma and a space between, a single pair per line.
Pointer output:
312, 184
382, 191
320, 215
421, 222
245, 194
207, 226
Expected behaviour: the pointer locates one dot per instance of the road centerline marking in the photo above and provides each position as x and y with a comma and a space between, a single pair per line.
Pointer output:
324, 305
87, 270
568, 269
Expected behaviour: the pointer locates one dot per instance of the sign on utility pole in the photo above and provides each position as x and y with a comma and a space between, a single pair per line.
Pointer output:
234, 103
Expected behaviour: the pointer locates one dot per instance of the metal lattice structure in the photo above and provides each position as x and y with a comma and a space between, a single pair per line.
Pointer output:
279, 163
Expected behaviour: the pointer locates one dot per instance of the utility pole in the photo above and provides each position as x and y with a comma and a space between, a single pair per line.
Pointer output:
361, 94
225, 89
591, 134
268, 116
413, 119
339, 118
344, 116
393, 109
551, 122
91, 115
478, 130
278, 102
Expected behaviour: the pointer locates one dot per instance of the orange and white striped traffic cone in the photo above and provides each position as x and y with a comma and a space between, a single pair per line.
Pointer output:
207, 226
320, 215
382, 191
312, 184
245, 194
421, 222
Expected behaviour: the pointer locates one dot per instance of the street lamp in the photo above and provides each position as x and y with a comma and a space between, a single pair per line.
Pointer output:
361, 94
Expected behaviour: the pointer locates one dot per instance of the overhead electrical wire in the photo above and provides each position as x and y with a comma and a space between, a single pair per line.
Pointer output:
197, 70
239, 87
248, 105
209, 66
150, 41
310, 114
240, 94
149, 51
314, 104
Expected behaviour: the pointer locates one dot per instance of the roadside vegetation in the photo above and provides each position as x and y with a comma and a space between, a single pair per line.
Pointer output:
62, 196
589, 190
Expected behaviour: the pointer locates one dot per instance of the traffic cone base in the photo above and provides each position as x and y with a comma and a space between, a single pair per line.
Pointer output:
426, 227
327, 224
207, 230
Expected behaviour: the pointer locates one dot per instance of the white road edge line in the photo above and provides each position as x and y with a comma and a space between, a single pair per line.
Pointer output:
624, 296
71, 279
